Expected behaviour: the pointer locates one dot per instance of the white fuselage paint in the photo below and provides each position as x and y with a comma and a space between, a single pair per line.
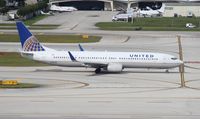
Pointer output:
62, 8
126, 59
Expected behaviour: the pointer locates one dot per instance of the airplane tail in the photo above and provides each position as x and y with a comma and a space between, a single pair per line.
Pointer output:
162, 9
28, 41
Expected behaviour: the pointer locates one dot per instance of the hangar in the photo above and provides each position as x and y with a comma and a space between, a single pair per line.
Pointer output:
85, 4
173, 7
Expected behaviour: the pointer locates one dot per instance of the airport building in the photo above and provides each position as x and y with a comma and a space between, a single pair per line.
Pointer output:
182, 9
173, 7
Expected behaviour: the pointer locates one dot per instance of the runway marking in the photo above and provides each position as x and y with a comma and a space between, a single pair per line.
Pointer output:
100, 101
128, 38
150, 80
60, 82
193, 88
84, 85
159, 102
75, 82
103, 97
74, 27
97, 115
42, 101
192, 62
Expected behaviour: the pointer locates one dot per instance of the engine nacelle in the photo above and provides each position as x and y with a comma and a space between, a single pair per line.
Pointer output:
113, 67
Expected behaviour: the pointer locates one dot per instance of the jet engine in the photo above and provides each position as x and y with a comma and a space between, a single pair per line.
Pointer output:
113, 67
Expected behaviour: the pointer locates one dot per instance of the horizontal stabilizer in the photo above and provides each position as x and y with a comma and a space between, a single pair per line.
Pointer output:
80, 47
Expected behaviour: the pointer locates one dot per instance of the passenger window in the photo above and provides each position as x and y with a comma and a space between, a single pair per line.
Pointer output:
174, 58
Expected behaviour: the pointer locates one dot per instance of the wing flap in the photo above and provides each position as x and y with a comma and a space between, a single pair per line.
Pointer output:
94, 64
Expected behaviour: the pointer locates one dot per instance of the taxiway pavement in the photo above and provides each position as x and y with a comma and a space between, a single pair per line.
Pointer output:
78, 93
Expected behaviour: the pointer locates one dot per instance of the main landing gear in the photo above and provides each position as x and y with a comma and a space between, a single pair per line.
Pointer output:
98, 70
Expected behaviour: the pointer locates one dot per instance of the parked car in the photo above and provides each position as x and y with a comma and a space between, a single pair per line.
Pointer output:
121, 17
190, 25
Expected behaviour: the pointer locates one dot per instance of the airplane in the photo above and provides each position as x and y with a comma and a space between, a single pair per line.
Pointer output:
150, 12
46, 13
62, 8
100, 60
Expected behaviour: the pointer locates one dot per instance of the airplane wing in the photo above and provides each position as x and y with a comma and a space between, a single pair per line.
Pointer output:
88, 63
95, 64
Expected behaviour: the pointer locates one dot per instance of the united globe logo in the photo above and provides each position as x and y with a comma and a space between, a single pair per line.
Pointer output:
32, 44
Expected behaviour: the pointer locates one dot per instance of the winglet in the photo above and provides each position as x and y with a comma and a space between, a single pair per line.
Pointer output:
72, 57
80, 47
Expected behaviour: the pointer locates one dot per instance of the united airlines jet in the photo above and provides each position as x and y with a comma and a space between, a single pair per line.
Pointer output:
108, 61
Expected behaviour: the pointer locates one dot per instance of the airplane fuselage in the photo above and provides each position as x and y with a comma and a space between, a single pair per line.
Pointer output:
126, 59
109, 61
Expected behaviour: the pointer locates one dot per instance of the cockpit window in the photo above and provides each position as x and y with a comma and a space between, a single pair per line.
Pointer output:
174, 58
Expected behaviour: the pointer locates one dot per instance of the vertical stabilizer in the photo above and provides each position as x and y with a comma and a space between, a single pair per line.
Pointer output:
28, 41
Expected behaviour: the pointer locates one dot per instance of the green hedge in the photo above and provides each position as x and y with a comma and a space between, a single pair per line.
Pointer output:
3, 8
2, 3
30, 9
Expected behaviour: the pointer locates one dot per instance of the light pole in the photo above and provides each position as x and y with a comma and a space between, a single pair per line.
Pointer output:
181, 67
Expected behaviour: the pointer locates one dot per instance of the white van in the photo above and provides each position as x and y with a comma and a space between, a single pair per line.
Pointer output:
12, 15
121, 17
190, 25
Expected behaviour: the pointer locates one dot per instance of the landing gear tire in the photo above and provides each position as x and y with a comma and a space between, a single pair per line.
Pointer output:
167, 71
98, 70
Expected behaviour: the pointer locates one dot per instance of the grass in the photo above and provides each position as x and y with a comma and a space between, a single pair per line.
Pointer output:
52, 38
30, 23
44, 26
15, 59
6, 24
33, 20
21, 85
39, 27
157, 24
